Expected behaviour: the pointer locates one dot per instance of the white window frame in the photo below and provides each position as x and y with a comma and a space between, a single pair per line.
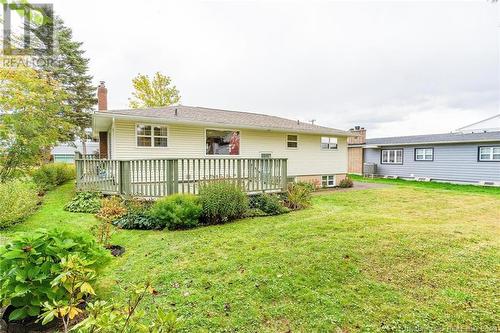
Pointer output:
326, 179
296, 141
220, 129
330, 145
389, 151
491, 154
152, 135
426, 156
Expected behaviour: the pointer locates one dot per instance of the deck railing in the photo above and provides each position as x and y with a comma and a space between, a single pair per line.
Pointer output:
151, 178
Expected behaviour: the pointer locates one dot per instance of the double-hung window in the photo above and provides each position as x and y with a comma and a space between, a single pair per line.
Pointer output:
292, 141
392, 156
328, 143
424, 154
489, 154
151, 135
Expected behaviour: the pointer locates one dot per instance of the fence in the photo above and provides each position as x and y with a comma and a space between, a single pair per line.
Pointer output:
150, 178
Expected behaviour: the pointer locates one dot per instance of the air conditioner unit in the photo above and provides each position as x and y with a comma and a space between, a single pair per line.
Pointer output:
369, 169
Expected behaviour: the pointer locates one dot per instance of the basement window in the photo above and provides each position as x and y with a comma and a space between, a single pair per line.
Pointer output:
328, 181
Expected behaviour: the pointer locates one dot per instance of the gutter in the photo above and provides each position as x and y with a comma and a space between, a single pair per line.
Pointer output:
214, 124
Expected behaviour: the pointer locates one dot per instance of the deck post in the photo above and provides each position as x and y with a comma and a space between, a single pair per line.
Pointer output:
284, 176
175, 178
125, 180
238, 172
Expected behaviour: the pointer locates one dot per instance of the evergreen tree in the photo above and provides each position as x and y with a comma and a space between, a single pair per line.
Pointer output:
69, 67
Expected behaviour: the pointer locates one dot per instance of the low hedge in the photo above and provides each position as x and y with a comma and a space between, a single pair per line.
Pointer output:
18, 200
178, 211
50, 175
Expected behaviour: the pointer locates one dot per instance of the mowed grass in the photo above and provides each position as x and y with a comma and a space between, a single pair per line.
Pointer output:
389, 259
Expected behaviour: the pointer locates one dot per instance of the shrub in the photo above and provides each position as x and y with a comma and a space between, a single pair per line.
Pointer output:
298, 196
346, 183
311, 186
268, 203
222, 202
111, 209
18, 200
84, 202
178, 211
254, 212
32, 264
138, 220
138, 217
48, 176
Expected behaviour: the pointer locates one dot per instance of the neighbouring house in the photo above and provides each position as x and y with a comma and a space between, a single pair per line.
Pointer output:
468, 155
207, 143
65, 152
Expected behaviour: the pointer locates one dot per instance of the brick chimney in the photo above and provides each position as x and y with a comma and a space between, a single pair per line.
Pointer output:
102, 97
360, 137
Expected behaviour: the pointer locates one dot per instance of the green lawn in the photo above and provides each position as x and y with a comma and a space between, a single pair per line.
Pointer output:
383, 259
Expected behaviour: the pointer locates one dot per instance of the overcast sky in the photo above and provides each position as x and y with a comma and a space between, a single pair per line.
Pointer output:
396, 68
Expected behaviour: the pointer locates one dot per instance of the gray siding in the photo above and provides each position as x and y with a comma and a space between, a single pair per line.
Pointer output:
452, 162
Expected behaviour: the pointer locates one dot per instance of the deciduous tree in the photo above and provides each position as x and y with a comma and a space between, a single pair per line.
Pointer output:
156, 92
31, 121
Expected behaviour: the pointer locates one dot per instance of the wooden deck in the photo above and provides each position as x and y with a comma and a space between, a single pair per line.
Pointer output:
153, 178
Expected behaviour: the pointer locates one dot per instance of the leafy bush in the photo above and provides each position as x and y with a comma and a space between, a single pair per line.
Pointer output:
298, 196
222, 202
18, 199
346, 183
129, 315
111, 209
178, 211
311, 186
268, 203
32, 262
138, 217
138, 220
48, 176
254, 212
84, 202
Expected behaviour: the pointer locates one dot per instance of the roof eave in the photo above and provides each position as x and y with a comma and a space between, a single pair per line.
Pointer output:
427, 143
97, 115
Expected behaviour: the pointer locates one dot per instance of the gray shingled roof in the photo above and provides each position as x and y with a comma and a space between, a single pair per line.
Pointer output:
199, 115
436, 138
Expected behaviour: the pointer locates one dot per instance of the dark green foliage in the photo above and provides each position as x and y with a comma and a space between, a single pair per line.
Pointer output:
178, 211
48, 176
254, 212
31, 262
69, 67
138, 220
298, 196
18, 199
138, 217
346, 183
269, 204
222, 202
84, 202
